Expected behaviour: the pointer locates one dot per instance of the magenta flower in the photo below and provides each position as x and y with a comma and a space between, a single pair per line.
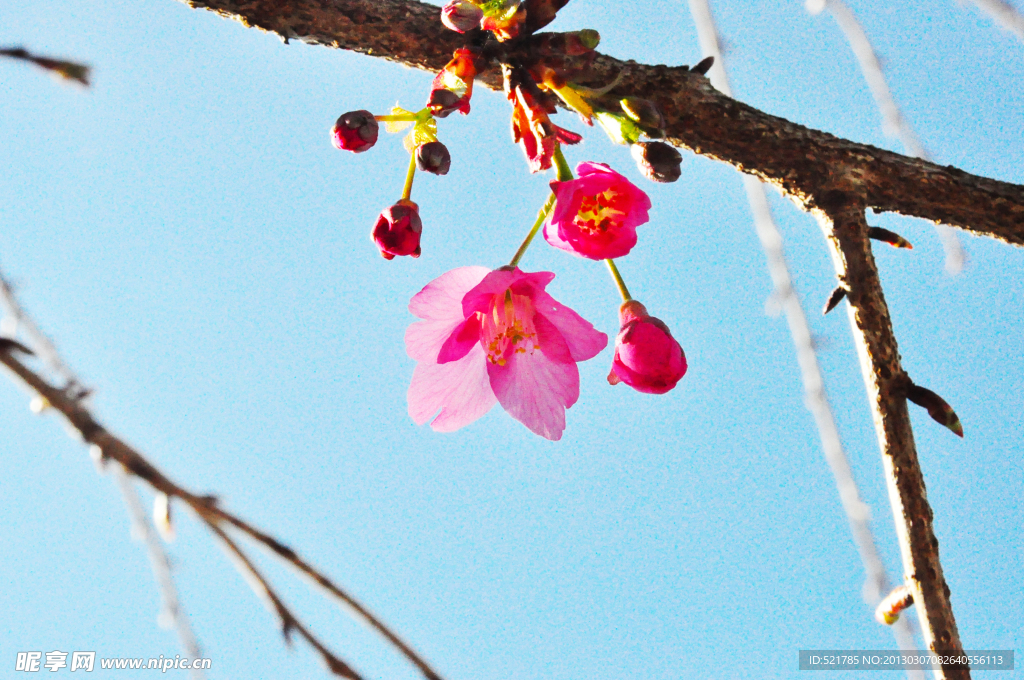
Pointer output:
495, 336
397, 230
596, 215
647, 357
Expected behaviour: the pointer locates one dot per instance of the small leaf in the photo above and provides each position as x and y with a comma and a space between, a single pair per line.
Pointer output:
938, 409
398, 126
890, 237
834, 299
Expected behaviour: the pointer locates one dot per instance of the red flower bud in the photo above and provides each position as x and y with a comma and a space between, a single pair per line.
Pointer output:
461, 15
397, 231
658, 161
433, 157
647, 357
355, 131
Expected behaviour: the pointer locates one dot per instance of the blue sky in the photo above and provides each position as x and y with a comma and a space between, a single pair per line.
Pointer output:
187, 235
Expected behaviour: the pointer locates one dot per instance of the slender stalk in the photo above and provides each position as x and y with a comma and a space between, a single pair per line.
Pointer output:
561, 166
564, 174
398, 118
617, 277
409, 175
541, 216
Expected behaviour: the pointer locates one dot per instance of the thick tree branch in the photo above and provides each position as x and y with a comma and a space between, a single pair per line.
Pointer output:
841, 215
798, 160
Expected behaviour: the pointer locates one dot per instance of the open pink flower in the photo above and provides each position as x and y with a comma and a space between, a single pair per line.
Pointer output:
596, 215
647, 357
495, 336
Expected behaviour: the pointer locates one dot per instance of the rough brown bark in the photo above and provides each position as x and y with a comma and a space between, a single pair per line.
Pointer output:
800, 161
841, 215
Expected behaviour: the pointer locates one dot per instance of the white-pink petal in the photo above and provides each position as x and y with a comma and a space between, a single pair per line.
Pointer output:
460, 389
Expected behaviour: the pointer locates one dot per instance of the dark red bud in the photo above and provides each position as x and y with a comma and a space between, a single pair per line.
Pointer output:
443, 102
433, 157
355, 131
397, 230
658, 161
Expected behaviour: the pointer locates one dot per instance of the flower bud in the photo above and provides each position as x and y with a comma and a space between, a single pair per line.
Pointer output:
643, 111
433, 157
658, 161
355, 131
647, 357
397, 230
461, 16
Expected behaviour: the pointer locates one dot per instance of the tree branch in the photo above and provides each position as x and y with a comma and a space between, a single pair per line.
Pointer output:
858, 515
894, 123
800, 161
111, 447
841, 215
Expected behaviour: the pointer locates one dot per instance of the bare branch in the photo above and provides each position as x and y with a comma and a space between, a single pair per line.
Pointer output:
798, 160
841, 216
112, 447
16, 319
1004, 14
858, 515
172, 611
894, 123
68, 70
261, 587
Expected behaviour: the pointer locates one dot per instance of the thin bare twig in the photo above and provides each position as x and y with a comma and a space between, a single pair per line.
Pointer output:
894, 123
841, 214
858, 514
114, 448
15, 319
171, 607
1004, 14
68, 70
261, 587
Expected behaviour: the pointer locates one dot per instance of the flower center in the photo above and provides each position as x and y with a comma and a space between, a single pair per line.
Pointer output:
600, 213
509, 329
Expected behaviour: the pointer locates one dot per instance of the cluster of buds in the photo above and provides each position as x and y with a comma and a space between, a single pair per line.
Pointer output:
483, 330
398, 227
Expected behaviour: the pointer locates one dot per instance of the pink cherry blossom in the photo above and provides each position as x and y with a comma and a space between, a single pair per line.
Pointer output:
596, 215
495, 336
647, 357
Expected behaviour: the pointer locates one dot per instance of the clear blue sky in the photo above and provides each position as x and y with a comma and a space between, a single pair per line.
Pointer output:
189, 238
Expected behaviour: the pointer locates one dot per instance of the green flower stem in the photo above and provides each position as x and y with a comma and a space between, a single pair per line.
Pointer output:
619, 283
564, 175
420, 115
407, 189
541, 216
564, 172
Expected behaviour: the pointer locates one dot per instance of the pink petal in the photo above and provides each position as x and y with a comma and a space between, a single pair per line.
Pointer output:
440, 304
582, 339
536, 388
442, 297
497, 282
461, 340
460, 389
